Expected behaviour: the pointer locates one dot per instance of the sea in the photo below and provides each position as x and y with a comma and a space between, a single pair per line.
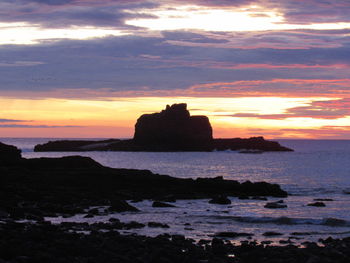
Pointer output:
317, 169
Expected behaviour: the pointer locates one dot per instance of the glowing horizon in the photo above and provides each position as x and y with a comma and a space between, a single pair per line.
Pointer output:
81, 68
116, 117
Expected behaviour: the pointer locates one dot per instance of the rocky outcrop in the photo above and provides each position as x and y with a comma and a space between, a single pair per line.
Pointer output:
172, 129
69, 185
9, 154
43, 242
253, 143
121, 206
220, 200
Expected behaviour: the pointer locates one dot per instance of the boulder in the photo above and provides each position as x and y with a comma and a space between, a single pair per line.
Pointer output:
274, 205
317, 204
220, 200
173, 126
121, 206
156, 224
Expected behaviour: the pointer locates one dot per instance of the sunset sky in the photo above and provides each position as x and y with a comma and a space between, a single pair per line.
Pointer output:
89, 68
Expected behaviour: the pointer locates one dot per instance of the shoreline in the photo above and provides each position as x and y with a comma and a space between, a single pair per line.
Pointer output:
35, 189
57, 243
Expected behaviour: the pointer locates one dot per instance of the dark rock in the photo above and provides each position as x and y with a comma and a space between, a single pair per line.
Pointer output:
133, 225
218, 247
161, 204
317, 204
43, 242
94, 211
274, 205
74, 146
169, 199
221, 200
9, 154
172, 129
173, 126
114, 220
271, 233
323, 199
156, 224
260, 198
136, 200
253, 143
233, 234
71, 185
335, 222
121, 206
62, 163
89, 216
3, 214
243, 197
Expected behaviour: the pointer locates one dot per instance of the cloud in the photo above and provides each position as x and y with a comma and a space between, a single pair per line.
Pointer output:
36, 126
276, 87
314, 11
9, 120
52, 2
20, 63
151, 65
67, 13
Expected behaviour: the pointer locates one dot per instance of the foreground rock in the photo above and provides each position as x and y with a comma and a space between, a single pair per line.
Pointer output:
220, 200
121, 206
317, 204
172, 129
275, 205
68, 185
55, 244
9, 154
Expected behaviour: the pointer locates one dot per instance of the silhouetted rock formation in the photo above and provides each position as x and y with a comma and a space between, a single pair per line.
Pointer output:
172, 129
68, 185
9, 154
220, 200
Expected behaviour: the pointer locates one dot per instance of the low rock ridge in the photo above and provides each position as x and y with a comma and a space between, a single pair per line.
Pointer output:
70, 184
172, 129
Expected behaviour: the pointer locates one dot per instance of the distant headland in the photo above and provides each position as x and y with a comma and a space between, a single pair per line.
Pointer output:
172, 129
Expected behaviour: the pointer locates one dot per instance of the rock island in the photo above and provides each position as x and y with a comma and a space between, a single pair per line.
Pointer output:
172, 129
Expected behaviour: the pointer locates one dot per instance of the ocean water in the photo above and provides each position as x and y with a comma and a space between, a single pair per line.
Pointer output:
317, 169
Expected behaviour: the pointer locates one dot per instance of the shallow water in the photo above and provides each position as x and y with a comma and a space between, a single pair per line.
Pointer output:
317, 169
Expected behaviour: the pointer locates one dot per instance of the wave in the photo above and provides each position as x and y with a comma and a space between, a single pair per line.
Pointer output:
309, 191
288, 220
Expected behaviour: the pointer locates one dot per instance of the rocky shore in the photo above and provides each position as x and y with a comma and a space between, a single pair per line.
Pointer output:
49, 186
34, 190
172, 129
44, 242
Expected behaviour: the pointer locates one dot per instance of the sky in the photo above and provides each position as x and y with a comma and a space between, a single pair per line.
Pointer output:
90, 68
